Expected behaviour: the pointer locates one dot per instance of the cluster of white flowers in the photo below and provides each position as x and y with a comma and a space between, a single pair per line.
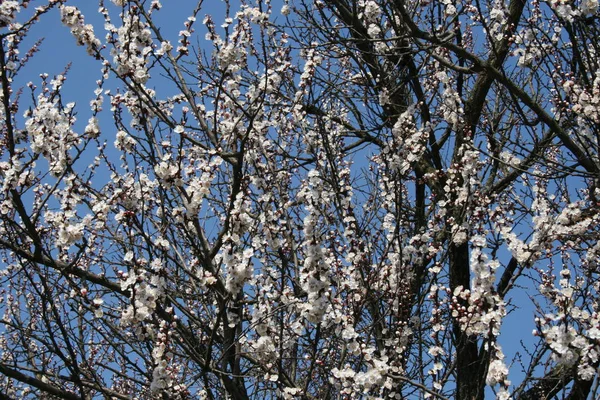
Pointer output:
407, 143
8, 9
370, 13
197, 189
84, 33
374, 31
497, 373
547, 226
145, 290
585, 104
504, 225
370, 10
131, 100
477, 313
291, 393
132, 193
238, 266
529, 48
230, 56
168, 172
572, 332
510, 159
543, 220
451, 106
357, 384
96, 103
254, 14
261, 315
588, 7
356, 254
92, 129
124, 142
270, 81
161, 376
132, 48
314, 272
592, 258
71, 233
285, 9
264, 349
237, 262
497, 20
50, 131
460, 188
313, 60
568, 11
14, 174
450, 7
69, 227
486, 309
69, 230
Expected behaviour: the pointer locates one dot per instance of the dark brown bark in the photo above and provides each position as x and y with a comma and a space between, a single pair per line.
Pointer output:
37, 383
548, 386
469, 372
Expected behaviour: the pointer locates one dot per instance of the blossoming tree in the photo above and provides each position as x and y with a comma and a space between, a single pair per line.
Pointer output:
313, 199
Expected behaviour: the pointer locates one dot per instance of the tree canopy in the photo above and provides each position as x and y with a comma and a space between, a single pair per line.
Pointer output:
303, 199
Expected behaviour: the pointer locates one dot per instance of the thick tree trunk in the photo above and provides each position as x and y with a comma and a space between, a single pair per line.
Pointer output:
469, 369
